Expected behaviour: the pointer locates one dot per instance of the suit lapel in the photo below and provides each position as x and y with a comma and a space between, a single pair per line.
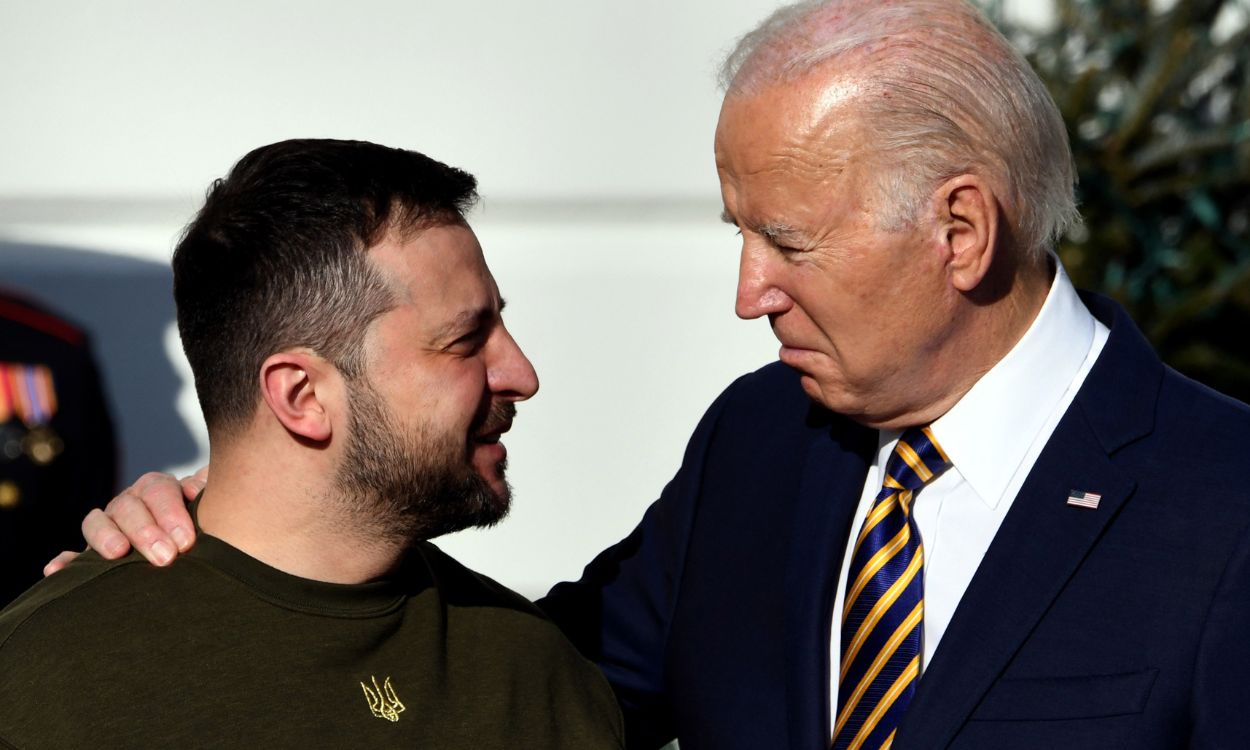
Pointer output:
1041, 543
833, 477
1043, 540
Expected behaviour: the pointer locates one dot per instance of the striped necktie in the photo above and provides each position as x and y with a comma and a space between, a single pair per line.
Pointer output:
884, 608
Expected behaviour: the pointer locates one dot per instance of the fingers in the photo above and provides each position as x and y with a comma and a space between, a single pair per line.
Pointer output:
126, 522
193, 485
103, 536
162, 498
150, 515
58, 562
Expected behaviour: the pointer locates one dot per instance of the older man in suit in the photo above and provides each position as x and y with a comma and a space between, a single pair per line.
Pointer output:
970, 508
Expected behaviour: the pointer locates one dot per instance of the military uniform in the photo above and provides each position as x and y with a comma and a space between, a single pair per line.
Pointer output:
57, 453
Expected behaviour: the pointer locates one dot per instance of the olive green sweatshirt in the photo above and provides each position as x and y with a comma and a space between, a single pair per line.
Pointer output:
220, 650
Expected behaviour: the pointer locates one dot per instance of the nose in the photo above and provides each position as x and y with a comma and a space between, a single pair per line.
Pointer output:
510, 374
758, 294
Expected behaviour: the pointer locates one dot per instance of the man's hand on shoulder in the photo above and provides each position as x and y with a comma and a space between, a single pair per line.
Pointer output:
151, 515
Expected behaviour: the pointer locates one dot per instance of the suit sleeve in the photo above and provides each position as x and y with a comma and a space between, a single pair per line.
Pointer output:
619, 613
1219, 697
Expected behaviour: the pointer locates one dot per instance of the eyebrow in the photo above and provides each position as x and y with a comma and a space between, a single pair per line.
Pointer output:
773, 231
467, 320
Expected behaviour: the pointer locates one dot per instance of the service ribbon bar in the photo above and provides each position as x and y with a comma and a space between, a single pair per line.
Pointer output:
28, 392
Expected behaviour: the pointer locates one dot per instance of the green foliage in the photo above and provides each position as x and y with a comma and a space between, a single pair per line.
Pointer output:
1158, 113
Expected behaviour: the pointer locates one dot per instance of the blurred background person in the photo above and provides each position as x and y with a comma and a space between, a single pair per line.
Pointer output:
57, 453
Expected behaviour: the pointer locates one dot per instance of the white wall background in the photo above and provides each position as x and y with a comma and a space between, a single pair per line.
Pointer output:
588, 123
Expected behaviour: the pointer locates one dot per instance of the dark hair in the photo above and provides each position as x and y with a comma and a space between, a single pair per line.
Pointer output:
276, 258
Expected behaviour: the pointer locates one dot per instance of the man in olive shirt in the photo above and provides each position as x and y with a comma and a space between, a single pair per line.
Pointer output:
355, 376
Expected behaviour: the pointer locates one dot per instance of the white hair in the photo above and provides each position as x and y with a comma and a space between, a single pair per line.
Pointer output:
950, 96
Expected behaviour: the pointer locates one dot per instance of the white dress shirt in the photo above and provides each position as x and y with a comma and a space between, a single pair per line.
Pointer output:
992, 436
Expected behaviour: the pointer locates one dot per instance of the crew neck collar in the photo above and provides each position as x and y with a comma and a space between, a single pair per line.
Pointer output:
371, 599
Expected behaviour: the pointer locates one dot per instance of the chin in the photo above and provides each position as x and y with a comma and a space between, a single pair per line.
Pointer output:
500, 490
838, 400
831, 399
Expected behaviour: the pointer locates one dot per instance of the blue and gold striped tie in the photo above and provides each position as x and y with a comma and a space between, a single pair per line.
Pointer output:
884, 608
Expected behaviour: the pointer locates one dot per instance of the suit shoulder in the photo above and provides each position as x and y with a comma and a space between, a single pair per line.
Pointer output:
1201, 424
1202, 401
20, 314
770, 404
773, 389
1194, 457
773, 379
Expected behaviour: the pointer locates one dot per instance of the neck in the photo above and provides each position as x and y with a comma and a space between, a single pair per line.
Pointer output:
988, 330
285, 511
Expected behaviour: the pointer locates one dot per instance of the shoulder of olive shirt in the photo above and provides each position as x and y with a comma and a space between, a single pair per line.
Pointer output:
219, 646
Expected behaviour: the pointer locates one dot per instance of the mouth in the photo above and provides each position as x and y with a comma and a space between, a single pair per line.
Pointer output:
789, 346
487, 453
498, 421
493, 435
784, 338
796, 357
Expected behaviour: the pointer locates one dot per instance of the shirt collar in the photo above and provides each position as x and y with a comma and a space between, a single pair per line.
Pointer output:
989, 431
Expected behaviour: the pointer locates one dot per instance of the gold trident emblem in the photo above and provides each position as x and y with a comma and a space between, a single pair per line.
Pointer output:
383, 703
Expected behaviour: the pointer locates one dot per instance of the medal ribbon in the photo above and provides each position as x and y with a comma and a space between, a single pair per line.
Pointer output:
27, 391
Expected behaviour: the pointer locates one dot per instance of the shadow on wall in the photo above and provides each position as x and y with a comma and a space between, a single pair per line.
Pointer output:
125, 305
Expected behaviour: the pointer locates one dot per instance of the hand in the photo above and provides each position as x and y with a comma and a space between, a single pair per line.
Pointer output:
150, 514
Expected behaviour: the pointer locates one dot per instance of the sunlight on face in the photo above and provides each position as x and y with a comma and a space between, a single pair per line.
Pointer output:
859, 311
441, 384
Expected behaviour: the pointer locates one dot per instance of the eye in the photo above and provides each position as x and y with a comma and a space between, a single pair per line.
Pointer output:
783, 239
471, 342
782, 247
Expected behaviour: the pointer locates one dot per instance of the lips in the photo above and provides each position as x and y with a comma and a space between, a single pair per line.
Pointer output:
785, 338
498, 421
797, 358
492, 436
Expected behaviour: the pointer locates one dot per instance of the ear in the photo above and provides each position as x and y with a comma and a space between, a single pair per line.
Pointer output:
968, 211
299, 387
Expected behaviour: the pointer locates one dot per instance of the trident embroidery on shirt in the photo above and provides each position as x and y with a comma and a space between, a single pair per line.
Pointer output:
383, 703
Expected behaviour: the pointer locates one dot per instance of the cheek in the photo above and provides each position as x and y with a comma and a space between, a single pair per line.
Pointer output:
448, 394
864, 333
845, 315
463, 388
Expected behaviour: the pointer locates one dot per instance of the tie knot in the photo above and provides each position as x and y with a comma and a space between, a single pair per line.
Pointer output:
917, 460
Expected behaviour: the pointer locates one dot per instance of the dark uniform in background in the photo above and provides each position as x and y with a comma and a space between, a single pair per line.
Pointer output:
57, 453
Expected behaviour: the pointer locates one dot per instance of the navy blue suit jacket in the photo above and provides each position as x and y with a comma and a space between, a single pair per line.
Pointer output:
1127, 626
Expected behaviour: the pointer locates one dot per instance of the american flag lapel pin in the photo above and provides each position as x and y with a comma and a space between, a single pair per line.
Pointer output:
1081, 499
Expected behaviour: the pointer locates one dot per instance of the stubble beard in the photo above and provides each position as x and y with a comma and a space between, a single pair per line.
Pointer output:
409, 485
